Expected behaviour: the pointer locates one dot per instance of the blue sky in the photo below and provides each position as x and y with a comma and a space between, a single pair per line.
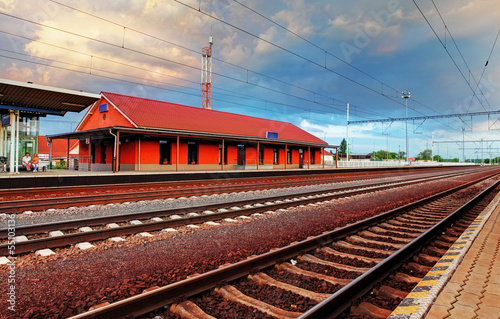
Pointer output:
297, 61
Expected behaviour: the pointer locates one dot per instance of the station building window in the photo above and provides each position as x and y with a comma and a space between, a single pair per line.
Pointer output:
276, 157
261, 155
289, 156
192, 153
164, 152
313, 157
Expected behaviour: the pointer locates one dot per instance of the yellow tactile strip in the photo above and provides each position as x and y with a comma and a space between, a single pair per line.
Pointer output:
420, 299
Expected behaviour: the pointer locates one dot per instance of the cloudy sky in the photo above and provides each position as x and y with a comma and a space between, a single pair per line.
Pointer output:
296, 60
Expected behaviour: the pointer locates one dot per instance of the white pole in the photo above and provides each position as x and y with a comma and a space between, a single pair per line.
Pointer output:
407, 148
12, 141
406, 96
17, 142
2, 146
432, 151
347, 134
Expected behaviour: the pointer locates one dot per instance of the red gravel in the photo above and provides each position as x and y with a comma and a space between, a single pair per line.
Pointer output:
71, 283
218, 307
327, 270
344, 260
312, 284
275, 296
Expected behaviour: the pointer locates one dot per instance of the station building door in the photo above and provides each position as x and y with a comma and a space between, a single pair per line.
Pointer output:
241, 155
301, 158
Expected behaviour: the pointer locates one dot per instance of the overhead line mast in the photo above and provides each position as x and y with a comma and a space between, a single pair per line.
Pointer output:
206, 75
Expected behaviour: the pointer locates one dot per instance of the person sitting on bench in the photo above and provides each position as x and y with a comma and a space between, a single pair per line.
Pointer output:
27, 161
34, 162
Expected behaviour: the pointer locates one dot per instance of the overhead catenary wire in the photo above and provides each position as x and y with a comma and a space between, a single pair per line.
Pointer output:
462, 56
485, 65
189, 49
156, 38
289, 51
297, 55
166, 60
360, 109
448, 52
335, 56
169, 60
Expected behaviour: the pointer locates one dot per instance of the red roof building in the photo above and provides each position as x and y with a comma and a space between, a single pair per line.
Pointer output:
121, 132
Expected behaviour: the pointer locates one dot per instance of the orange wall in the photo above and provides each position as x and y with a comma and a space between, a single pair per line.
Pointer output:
113, 118
208, 154
281, 156
251, 155
317, 155
232, 154
268, 155
84, 149
173, 152
295, 156
109, 154
98, 158
183, 152
150, 152
128, 152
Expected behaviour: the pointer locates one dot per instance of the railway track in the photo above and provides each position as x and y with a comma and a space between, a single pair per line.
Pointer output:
314, 278
51, 235
15, 201
380, 301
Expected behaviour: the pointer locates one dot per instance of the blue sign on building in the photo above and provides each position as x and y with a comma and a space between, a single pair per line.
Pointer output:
272, 135
103, 107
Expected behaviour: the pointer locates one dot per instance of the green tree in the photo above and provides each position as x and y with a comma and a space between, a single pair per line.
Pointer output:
425, 155
437, 158
455, 160
343, 146
379, 155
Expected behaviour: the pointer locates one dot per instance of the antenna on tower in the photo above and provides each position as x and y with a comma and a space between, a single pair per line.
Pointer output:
206, 75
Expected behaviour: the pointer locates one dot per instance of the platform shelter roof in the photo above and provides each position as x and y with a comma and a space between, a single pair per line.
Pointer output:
42, 100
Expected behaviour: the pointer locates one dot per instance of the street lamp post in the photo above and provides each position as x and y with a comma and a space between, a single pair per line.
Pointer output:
406, 96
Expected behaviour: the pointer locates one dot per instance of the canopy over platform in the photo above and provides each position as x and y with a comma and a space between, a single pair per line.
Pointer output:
42, 100
21, 105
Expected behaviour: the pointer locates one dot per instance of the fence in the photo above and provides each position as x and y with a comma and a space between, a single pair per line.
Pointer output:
80, 162
362, 164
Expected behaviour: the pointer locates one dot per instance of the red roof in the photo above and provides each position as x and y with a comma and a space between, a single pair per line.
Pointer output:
146, 113
327, 153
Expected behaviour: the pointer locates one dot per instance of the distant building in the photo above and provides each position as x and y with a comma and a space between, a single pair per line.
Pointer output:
328, 157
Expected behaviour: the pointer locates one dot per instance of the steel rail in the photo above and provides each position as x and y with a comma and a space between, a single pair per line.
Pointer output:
338, 302
73, 224
100, 234
158, 298
65, 201
14, 206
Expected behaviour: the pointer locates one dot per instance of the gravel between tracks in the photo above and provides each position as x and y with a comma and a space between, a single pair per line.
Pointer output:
72, 281
56, 215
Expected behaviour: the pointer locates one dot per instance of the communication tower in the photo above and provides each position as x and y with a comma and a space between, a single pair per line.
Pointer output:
206, 75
